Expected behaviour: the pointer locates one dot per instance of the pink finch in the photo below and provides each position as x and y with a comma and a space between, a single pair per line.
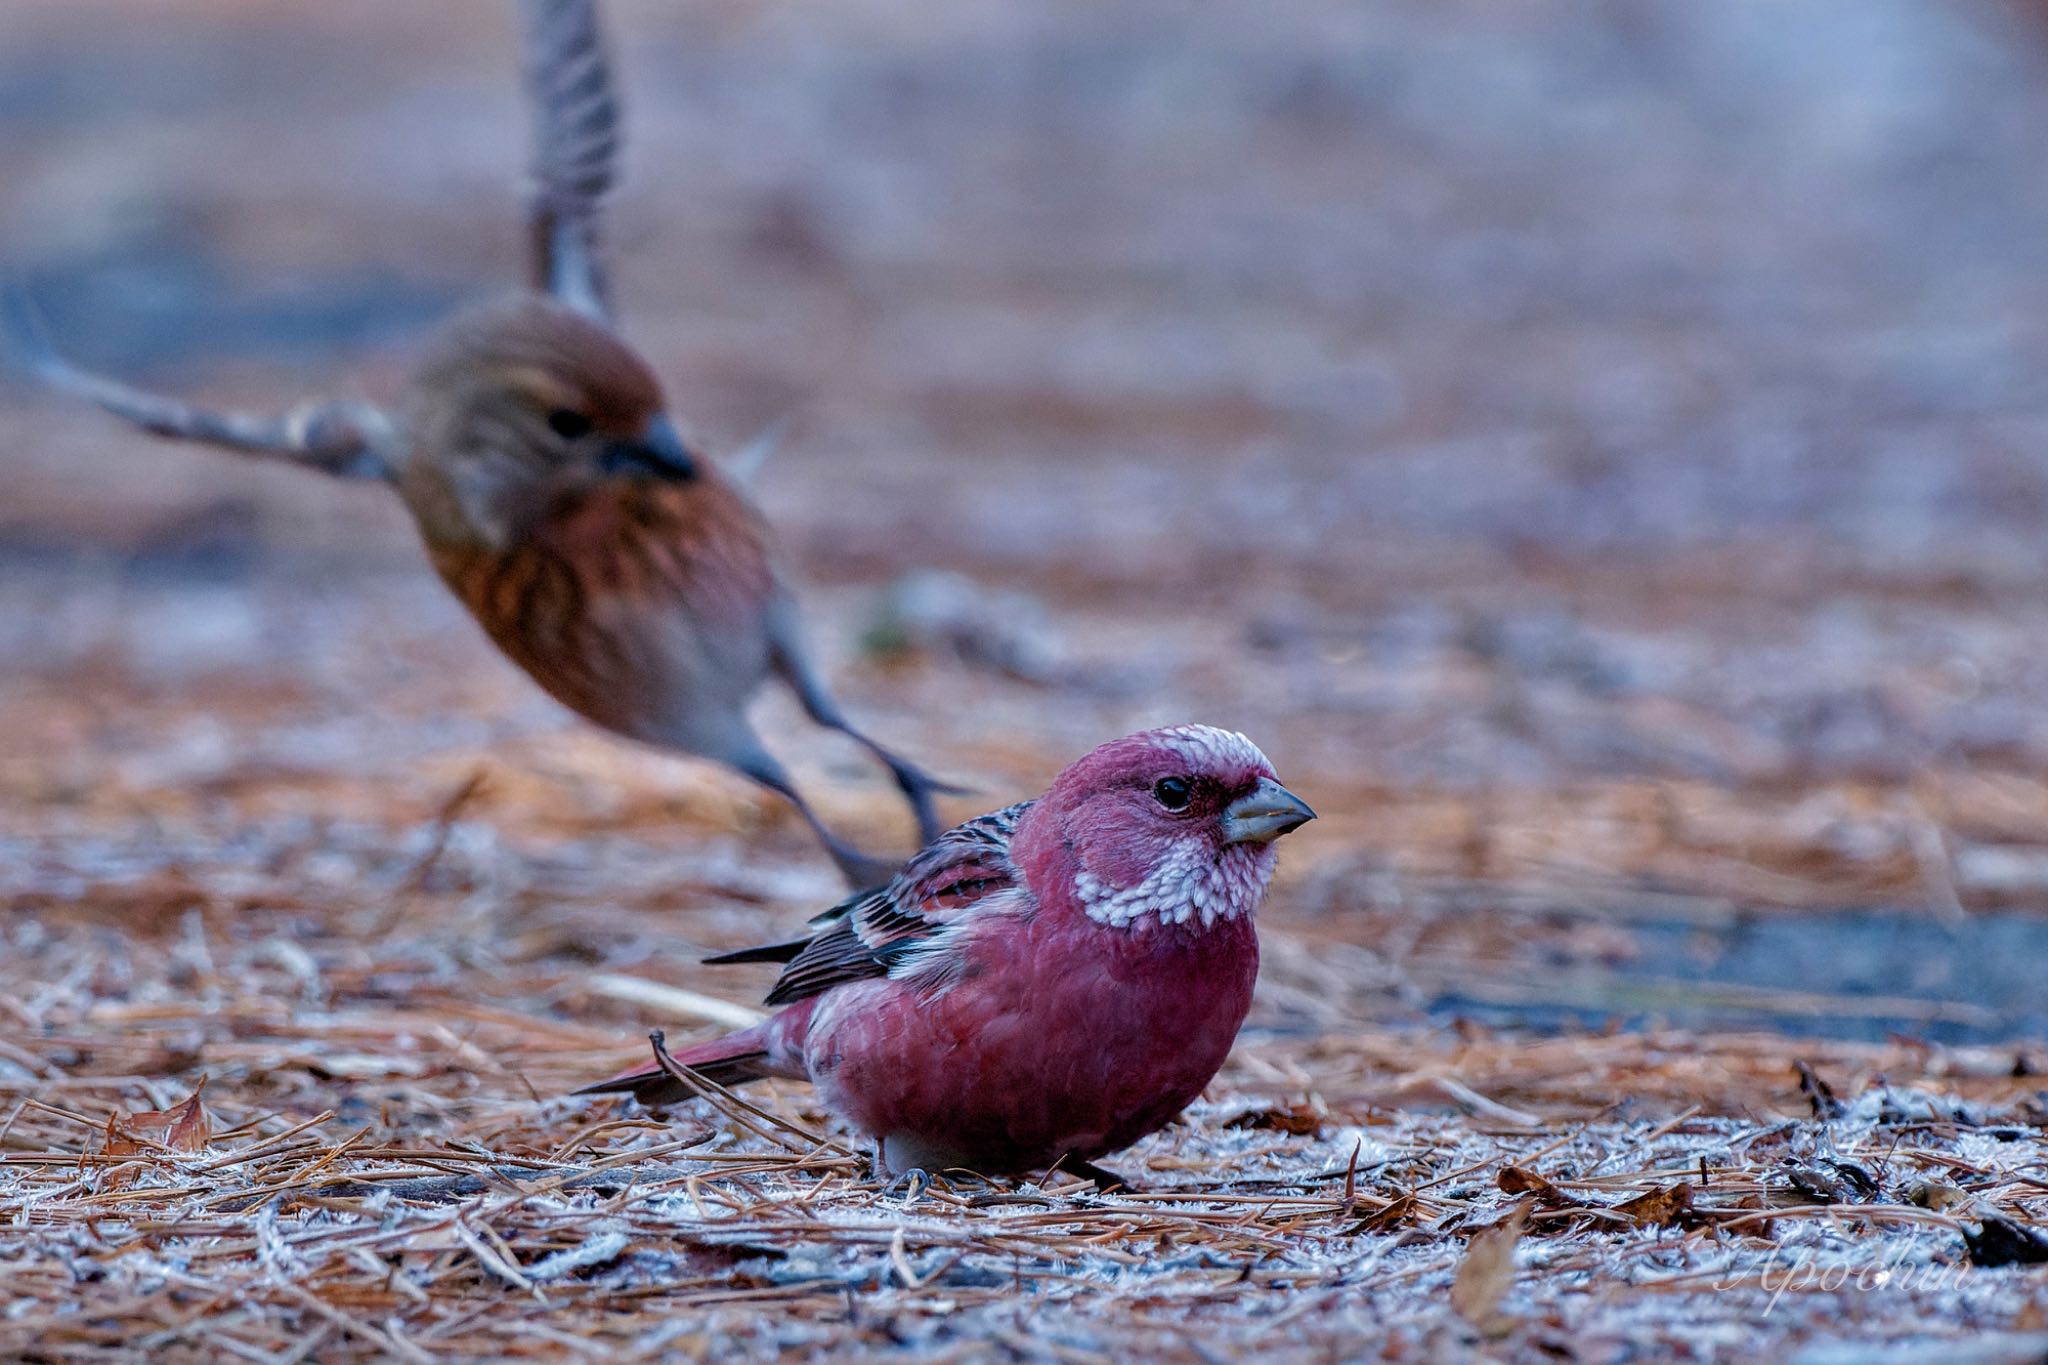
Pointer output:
601, 553
1044, 984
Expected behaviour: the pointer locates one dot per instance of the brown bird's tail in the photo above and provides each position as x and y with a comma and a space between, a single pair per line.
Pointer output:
751, 1054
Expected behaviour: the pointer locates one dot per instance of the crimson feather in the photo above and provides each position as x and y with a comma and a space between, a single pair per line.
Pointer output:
1050, 981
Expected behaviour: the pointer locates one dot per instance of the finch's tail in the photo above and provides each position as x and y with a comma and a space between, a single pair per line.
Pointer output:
652, 1084
748, 1055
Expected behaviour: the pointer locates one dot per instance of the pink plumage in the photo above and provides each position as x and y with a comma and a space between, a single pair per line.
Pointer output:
1048, 982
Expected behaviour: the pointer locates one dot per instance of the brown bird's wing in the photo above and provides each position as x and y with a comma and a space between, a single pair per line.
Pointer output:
345, 439
576, 143
875, 931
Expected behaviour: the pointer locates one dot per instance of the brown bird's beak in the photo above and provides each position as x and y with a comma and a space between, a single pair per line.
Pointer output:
1263, 814
657, 452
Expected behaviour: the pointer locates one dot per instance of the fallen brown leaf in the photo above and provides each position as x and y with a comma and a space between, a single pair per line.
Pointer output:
1397, 1211
1487, 1271
185, 1126
1522, 1180
1659, 1207
1297, 1119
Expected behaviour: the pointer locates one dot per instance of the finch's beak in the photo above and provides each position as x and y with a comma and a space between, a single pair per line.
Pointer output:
657, 452
1263, 814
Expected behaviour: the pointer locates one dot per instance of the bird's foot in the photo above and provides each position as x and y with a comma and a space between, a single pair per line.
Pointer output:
919, 787
910, 1184
862, 872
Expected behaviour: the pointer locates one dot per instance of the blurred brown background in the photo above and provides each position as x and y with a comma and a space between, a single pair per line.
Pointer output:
1599, 450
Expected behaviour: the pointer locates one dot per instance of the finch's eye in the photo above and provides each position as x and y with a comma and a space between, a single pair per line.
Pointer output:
568, 424
1172, 792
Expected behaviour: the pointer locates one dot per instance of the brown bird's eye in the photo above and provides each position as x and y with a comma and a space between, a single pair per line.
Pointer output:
568, 424
1172, 792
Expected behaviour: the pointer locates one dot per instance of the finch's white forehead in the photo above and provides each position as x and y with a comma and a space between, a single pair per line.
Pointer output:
1211, 749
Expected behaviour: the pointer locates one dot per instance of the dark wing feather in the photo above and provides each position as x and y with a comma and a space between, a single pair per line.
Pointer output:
767, 952
837, 955
865, 936
576, 145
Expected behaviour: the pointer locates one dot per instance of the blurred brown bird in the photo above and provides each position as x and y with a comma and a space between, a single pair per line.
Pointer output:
601, 553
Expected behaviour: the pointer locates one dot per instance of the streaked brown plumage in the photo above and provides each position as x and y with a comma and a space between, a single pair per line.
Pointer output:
572, 569
621, 570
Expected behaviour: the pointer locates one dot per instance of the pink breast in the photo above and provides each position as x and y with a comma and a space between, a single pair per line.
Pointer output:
1061, 1036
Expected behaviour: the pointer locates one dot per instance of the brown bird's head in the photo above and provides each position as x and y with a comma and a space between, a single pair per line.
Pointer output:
521, 407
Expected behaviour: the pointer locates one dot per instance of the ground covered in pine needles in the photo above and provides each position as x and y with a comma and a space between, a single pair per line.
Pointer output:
1597, 450
294, 988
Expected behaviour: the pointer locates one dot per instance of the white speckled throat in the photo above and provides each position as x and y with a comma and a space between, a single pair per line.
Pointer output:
1194, 882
